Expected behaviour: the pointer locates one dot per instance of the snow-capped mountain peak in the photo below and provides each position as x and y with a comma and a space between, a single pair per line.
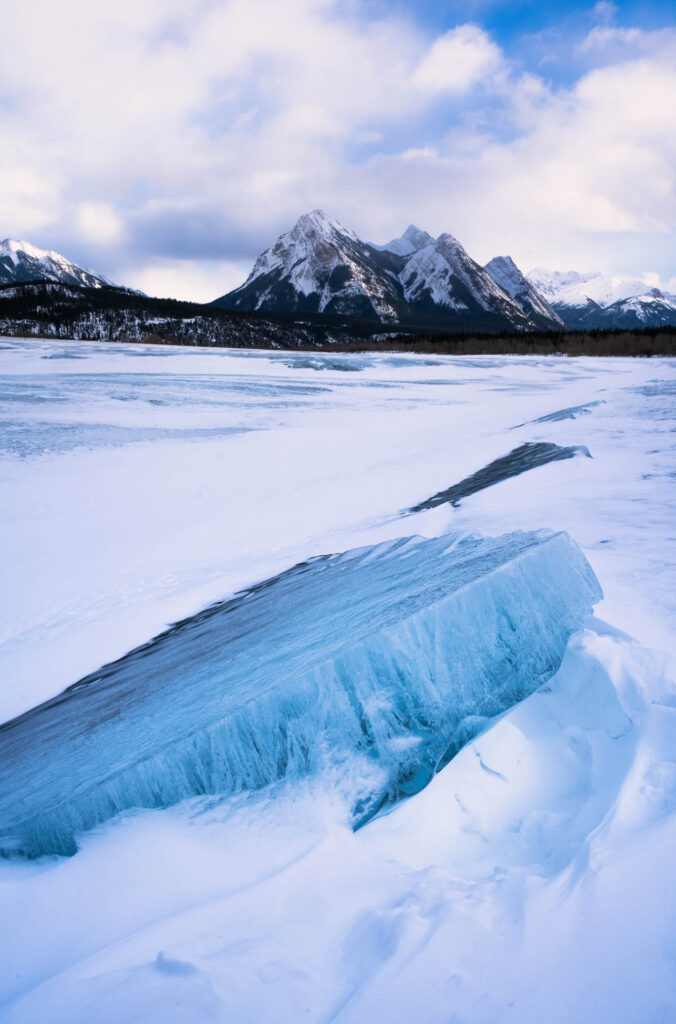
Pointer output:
322, 266
591, 300
505, 273
311, 232
13, 247
22, 261
413, 238
318, 222
550, 283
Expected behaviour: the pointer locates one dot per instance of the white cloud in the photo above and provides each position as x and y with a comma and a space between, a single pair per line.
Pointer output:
194, 280
458, 60
99, 223
175, 139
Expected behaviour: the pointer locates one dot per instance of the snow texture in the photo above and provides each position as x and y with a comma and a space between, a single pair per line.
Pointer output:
532, 879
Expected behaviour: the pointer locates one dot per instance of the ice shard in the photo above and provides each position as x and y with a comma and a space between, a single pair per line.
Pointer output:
384, 656
527, 456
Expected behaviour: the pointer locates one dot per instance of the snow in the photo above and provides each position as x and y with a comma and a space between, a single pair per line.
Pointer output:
435, 267
412, 239
309, 231
52, 263
13, 247
533, 877
505, 272
304, 258
574, 289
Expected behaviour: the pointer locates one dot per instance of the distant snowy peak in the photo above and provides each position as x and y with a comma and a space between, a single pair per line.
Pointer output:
21, 261
572, 288
320, 266
551, 283
593, 300
412, 239
505, 272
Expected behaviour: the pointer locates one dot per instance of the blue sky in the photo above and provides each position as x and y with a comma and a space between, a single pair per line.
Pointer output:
166, 142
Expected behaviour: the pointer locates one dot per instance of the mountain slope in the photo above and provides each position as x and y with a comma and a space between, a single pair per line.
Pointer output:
589, 301
21, 262
321, 266
443, 278
505, 272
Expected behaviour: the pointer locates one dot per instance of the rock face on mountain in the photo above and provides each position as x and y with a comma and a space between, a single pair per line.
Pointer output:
21, 262
320, 266
588, 301
505, 272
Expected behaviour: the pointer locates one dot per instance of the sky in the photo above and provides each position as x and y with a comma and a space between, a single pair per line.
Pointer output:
166, 143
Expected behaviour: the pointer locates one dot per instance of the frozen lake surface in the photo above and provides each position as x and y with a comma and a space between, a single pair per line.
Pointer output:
532, 879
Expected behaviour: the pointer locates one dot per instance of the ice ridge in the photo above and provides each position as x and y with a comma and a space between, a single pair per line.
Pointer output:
527, 456
375, 665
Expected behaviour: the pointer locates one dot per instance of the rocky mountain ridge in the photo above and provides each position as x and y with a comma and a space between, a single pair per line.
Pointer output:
320, 266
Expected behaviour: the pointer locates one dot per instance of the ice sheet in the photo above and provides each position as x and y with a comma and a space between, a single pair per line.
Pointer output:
532, 879
394, 655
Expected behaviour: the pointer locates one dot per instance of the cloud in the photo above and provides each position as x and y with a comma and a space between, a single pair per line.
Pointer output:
458, 60
174, 140
195, 280
99, 223
588, 179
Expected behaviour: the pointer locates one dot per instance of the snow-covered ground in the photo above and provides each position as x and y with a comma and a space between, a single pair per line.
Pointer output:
533, 878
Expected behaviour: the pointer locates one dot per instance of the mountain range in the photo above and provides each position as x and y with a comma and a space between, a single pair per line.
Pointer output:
21, 262
320, 266
323, 268
592, 301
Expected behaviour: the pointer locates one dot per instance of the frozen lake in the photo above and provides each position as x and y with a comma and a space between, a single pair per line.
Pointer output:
139, 484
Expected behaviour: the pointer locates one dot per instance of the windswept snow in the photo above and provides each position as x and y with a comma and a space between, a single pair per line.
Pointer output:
532, 879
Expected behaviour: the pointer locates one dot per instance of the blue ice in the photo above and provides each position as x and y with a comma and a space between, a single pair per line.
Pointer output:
375, 665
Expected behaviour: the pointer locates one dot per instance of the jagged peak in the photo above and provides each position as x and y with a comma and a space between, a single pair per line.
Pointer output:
413, 239
318, 222
505, 272
449, 242
503, 261
16, 245
417, 235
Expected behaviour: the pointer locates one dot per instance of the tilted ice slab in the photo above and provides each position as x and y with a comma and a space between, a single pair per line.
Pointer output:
377, 665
